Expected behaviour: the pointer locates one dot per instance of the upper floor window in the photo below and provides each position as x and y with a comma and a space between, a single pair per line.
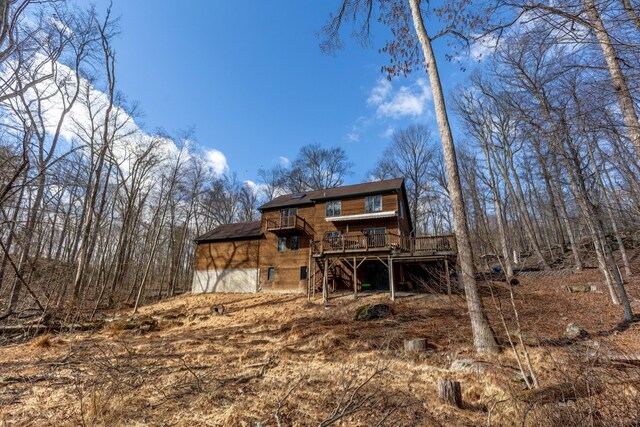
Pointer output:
289, 211
282, 244
294, 243
330, 234
334, 208
373, 203
288, 217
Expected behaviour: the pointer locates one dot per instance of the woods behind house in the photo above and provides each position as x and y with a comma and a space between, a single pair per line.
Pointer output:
96, 210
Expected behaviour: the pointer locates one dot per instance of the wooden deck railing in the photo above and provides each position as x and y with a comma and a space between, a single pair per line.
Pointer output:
356, 242
444, 243
292, 222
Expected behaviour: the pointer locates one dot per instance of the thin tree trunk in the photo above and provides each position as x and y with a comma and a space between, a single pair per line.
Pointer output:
483, 335
497, 205
625, 98
565, 217
633, 15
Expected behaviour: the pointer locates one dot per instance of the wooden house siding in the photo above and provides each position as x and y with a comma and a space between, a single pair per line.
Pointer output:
354, 206
227, 266
286, 263
254, 264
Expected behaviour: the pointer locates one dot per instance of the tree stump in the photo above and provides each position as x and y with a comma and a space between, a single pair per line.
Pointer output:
449, 392
217, 310
416, 345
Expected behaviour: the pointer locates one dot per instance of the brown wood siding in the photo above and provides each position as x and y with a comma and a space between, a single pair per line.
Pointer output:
227, 254
287, 264
354, 206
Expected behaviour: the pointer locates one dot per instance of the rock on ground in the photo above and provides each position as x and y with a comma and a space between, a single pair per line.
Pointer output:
372, 311
574, 331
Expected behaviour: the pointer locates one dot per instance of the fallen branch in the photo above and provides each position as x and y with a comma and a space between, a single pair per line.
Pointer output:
51, 327
246, 378
29, 379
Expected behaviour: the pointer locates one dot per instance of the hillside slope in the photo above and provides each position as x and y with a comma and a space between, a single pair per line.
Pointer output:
272, 359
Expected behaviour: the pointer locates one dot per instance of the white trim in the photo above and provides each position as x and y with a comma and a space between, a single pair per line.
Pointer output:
372, 215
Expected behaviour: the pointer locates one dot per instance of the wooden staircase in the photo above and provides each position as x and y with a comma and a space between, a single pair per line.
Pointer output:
337, 276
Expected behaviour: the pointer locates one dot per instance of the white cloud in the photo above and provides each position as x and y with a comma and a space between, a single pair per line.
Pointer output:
353, 137
406, 101
482, 47
256, 187
217, 161
388, 132
130, 140
284, 161
380, 92
61, 26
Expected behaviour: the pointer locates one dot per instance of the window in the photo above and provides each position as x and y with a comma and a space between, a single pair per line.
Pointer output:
289, 212
294, 243
334, 208
271, 274
303, 273
298, 196
288, 217
282, 244
330, 234
370, 231
373, 203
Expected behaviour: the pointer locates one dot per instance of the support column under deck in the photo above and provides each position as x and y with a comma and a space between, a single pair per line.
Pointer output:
355, 279
325, 289
446, 272
392, 287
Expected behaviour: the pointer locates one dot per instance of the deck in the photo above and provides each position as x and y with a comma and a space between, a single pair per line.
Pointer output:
284, 225
396, 245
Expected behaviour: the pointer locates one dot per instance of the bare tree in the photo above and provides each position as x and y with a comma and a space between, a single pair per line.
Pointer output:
411, 155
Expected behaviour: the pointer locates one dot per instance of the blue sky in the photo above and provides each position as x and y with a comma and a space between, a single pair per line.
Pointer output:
251, 81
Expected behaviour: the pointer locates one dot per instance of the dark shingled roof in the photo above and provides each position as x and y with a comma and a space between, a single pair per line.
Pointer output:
238, 230
331, 193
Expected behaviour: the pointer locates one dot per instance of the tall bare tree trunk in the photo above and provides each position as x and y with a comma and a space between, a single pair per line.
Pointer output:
565, 215
631, 12
483, 336
625, 99
497, 204
610, 214
86, 241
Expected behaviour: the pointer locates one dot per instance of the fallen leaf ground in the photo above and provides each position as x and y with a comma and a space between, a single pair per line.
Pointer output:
278, 358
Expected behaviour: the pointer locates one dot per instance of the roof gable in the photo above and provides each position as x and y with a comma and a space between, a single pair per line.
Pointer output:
300, 199
237, 230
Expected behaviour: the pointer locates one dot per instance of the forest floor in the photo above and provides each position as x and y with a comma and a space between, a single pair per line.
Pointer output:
277, 360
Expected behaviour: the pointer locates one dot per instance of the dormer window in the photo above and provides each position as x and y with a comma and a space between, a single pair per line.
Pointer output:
373, 203
334, 208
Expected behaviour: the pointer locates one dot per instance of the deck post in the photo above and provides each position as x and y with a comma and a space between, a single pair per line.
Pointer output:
446, 272
325, 290
355, 279
313, 288
309, 277
392, 287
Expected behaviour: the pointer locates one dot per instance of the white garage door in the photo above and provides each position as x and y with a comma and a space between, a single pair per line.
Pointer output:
229, 280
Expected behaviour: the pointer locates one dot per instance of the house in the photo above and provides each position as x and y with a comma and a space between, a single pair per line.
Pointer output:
355, 237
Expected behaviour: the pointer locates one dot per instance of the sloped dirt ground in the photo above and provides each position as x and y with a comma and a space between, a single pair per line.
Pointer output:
277, 360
